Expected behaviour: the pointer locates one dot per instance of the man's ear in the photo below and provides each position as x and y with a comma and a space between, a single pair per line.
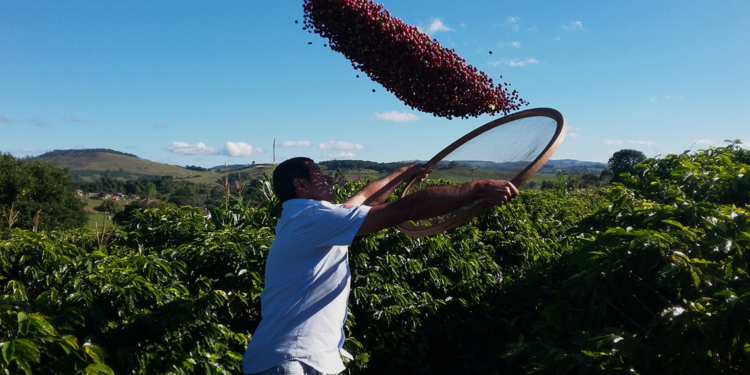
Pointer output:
300, 184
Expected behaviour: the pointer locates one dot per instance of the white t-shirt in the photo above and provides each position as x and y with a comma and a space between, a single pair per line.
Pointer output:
304, 301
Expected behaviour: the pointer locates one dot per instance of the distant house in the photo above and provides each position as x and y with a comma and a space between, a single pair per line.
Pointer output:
79, 192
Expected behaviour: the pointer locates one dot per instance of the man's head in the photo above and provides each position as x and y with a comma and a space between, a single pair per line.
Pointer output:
301, 178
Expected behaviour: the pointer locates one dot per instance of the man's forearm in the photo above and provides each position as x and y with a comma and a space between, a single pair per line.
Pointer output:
436, 201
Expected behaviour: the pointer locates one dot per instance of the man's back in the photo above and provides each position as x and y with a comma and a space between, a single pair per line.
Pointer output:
307, 286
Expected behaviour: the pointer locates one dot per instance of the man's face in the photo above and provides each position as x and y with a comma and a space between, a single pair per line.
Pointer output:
319, 186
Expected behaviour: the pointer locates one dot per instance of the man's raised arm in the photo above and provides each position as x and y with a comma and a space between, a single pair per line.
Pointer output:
378, 191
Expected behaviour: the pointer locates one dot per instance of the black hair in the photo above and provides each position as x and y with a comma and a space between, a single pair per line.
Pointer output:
284, 175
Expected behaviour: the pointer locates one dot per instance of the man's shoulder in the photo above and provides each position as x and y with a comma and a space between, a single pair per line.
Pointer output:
296, 205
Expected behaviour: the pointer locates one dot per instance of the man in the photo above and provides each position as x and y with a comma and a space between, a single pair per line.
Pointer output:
307, 273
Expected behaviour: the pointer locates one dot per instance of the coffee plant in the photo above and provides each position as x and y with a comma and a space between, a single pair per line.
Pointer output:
648, 276
656, 282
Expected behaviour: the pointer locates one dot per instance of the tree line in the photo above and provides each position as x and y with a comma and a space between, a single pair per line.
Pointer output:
37, 194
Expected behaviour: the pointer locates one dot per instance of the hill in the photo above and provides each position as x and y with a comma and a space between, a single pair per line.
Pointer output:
91, 162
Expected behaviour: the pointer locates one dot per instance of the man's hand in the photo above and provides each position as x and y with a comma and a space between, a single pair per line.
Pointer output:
499, 192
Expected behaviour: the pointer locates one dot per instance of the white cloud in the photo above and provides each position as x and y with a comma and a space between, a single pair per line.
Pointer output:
574, 135
80, 146
185, 148
341, 155
513, 23
159, 126
340, 145
533, 28
26, 151
573, 26
672, 97
513, 43
296, 144
236, 149
396, 116
71, 118
644, 143
653, 99
515, 62
612, 142
437, 25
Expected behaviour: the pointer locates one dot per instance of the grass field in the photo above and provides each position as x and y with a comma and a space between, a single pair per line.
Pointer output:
466, 174
97, 220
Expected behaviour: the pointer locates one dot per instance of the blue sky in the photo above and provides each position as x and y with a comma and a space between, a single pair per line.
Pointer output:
204, 83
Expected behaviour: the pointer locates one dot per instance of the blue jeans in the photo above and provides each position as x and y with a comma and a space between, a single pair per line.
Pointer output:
290, 368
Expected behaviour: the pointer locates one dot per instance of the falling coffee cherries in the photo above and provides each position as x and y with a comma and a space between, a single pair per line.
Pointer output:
418, 70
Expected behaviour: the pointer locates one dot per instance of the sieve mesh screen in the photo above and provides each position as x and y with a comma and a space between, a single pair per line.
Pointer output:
505, 152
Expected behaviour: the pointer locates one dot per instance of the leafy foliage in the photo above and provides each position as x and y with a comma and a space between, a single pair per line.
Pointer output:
624, 161
657, 282
648, 276
36, 188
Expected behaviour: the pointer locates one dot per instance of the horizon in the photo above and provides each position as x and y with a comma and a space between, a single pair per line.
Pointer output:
89, 150
200, 84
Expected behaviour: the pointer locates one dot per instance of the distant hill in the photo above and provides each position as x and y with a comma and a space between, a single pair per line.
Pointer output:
91, 162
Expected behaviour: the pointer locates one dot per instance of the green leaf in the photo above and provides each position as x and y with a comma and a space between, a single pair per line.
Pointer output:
41, 322
675, 223
98, 368
24, 365
69, 344
27, 351
696, 279
96, 353
9, 350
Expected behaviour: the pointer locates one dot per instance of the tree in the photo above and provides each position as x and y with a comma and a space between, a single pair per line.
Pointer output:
39, 188
340, 176
606, 176
109, 205
149, 192
590, 179
624, 161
